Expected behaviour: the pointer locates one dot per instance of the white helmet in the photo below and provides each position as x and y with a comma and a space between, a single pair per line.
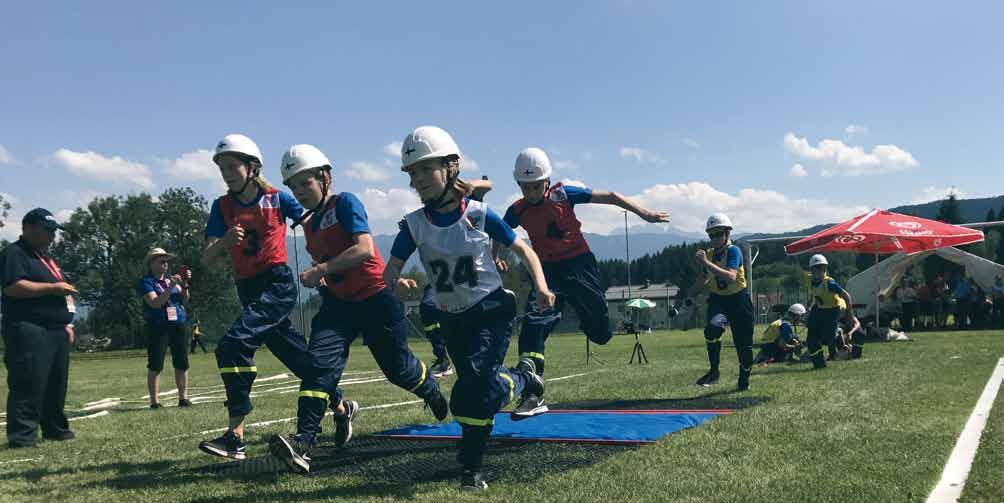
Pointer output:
240, 144
426, 142
718, 220
301, 158
817, 259
797, 310
532, 165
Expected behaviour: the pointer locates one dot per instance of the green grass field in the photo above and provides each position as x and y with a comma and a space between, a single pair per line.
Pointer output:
877, 429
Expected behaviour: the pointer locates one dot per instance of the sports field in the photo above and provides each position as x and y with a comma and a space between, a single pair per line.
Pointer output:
876, 429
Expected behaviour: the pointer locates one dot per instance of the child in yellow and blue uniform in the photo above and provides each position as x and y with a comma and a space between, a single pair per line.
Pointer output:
729, 301
826, 296
780, 340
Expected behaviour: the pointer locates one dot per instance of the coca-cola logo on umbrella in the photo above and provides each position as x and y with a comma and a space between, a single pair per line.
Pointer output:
850, 239
907, 225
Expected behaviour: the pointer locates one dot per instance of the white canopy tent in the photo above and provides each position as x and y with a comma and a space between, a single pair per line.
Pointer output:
887, 274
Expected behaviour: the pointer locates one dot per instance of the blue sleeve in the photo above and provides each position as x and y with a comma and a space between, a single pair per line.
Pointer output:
351, 214
144, 286
289, 206
834, 287
510, 217
498, 230
215, 228
578, 195
734, 259
404, 243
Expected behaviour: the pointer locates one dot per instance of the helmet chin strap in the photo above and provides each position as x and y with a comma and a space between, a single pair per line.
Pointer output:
317, 209
247, 181
443, 198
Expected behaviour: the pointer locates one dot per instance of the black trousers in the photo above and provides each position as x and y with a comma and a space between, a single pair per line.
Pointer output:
38, 362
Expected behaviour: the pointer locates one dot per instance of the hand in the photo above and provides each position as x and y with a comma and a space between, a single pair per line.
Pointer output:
501, 265
234, 236
465, 188
654, 216
404, 286
312, 277
702, 257
545, 299
70, 335
187, 276
63, 288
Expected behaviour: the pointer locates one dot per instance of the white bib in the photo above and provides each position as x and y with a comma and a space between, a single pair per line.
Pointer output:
457, 258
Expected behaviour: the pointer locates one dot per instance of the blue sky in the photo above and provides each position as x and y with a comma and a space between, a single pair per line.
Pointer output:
690, 108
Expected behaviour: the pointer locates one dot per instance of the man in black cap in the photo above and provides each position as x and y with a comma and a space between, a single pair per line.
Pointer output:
37, 327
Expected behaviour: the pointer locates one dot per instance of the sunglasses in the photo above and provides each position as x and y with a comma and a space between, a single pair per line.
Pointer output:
716, 234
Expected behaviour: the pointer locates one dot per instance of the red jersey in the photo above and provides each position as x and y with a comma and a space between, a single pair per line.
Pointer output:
331, 235
555, 233
264, 244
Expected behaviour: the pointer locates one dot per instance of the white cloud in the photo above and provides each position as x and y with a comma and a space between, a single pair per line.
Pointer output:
96, 166
468, 163
5, 156
752, 210
565, 164
839, 158
798, 171
692, 143
366, 172
386, 208
639, 154
393, 149
195, 165
931, 193
855, 129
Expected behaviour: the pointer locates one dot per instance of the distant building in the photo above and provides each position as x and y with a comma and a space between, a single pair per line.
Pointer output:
663, 294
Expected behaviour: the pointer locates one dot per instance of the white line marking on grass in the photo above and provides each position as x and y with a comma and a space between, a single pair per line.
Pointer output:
28, 460
562, 378
953, 478
92, 416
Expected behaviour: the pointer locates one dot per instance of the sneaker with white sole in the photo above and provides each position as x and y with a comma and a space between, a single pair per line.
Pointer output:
473, 481
291, 450
708, 379
531, 402
229, 445
343, 423
441, 368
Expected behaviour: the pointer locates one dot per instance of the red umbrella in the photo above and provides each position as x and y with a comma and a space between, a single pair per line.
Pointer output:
880, 231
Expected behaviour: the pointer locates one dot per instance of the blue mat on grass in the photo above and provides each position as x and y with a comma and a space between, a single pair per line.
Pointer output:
585, 426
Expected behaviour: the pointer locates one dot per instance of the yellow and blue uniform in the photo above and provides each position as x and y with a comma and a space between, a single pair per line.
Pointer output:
822, 322
729, 304
774, 340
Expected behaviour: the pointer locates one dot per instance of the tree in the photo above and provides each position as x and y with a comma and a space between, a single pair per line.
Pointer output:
102, 253
949, 211
4, 212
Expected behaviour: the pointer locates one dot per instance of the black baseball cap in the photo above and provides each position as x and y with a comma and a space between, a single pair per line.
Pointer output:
43, 217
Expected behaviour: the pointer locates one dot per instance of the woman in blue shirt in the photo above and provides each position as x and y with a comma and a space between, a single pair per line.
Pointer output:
163, 308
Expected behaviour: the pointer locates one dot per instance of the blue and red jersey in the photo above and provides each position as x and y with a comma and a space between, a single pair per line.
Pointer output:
555, 232
264, 223
329, 233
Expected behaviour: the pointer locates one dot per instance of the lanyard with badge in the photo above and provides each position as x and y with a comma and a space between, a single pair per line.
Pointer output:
53, 269
170, 310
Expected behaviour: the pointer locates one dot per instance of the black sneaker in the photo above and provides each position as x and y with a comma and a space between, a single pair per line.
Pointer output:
708, 379
438, 405
292, 451
744, 380
60, 436
471, 480
156, 406
530, 406
343, 424
226, 446
531, 402
441, 368
184, 402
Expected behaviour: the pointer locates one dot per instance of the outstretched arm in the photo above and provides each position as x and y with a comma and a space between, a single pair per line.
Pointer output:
616, 199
